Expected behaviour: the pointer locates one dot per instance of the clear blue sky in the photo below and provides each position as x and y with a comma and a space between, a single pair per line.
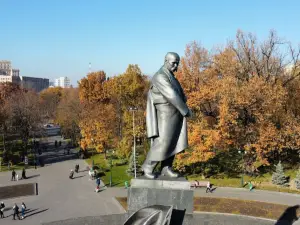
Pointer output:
53, 38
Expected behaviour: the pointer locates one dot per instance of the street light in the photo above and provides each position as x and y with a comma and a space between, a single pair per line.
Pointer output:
110, 179
243, 170
133, 109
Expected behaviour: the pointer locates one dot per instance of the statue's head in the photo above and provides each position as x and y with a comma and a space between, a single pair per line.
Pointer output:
172, 61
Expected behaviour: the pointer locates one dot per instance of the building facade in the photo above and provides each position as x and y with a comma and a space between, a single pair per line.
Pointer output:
34, 83
63, 82
8, 74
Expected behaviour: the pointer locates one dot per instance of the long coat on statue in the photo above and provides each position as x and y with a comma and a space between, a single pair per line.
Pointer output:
165, 116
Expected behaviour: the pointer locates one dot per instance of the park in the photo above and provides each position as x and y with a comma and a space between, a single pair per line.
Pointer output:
176, 113
105, 137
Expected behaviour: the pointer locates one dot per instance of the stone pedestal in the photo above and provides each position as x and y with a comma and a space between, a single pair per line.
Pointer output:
145, 192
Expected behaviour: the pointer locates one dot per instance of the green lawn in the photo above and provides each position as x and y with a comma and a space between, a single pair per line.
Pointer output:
261, 182
20, 166
119, 175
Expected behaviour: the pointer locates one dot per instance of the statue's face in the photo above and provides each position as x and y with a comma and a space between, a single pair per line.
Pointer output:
172, 63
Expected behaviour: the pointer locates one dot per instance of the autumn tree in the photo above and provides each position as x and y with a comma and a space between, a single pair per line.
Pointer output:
68, 114
6, 92
240, 98
50, 99
106, 119
98, 116
25, 114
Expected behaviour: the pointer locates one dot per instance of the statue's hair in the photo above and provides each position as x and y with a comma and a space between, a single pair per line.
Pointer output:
171, 54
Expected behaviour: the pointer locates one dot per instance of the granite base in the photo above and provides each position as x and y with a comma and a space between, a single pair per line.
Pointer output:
147, 192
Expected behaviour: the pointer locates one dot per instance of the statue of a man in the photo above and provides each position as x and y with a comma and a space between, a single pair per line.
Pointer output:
166, 119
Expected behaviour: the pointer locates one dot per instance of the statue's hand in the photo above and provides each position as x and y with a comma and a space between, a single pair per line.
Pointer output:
189, 114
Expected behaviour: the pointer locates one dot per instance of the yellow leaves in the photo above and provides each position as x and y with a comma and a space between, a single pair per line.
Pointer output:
94, 88
237, 102
106, 118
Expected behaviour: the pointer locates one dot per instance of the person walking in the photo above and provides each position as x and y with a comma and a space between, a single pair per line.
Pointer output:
16, 212
208, 187
76, 168
98, 181
71, 174
13, 175
17, 176
23, 210
2, 206
24, 174
250, 186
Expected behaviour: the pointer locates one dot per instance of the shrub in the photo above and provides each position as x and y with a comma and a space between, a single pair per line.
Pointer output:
278, 176
130, 170
297, 180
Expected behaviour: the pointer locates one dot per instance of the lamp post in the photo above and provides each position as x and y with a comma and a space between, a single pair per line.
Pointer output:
110, 179
133, 109
243, 170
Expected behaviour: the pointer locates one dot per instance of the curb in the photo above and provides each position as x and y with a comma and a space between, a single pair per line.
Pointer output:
119, 204
230, 214
261, 191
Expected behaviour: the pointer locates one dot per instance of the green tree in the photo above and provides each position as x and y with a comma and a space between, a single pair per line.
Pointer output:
297, 179
278, 176
130, 170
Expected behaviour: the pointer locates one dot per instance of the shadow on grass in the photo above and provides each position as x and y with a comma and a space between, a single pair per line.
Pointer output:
114, 184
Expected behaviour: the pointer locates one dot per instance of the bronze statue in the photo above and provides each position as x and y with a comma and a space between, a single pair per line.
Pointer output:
166, 119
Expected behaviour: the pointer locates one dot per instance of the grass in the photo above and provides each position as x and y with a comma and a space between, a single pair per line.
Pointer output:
262, 182
19, 166
232, 206
119, 175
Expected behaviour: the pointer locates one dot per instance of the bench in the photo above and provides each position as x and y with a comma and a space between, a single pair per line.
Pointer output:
196, 184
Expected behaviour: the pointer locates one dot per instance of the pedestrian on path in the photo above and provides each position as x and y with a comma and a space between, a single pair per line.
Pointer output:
16, 212
98, 181
13, 175
23, 174
17, 176
250, 186
208, 187
23, 210
77, 168
97, 189
71, 174
2, 206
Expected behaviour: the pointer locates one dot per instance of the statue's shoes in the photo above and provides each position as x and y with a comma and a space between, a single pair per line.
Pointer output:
149, 175
148, 171
167, 171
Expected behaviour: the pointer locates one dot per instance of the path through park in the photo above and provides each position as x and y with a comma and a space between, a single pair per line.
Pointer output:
59, 197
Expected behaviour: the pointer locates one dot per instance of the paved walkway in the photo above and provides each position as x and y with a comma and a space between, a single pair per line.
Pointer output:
59, 197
